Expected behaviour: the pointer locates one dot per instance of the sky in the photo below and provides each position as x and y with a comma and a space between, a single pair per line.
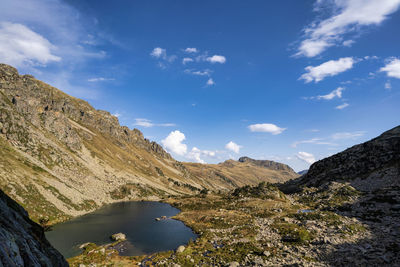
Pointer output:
285, 80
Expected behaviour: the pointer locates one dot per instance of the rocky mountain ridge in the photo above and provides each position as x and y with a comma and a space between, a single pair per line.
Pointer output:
245, 171
368, 166
269, 164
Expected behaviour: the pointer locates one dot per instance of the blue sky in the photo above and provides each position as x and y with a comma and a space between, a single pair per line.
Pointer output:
290, 81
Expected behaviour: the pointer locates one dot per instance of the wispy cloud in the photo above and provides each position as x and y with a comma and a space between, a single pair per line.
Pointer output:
100, 79
205, 72
148, 123
342, 106
316, 141
347, 18
266, 128
347, 135
327, 69
330, 140
337, 93
187, 60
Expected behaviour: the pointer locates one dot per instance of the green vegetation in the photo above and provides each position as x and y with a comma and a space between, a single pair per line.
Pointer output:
293, 233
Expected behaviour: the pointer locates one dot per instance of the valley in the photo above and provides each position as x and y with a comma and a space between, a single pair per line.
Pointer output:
60, 159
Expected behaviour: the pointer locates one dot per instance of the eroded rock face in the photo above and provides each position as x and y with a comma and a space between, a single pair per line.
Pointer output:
46, 106
22, 242
367, 166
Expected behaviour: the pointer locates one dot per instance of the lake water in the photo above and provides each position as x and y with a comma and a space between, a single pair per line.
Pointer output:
136, 220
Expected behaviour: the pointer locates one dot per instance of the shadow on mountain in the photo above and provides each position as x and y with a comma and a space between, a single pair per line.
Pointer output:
367, 178
379, 211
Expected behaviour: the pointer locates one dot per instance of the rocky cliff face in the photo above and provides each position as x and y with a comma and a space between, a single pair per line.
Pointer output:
22, 242
372, 165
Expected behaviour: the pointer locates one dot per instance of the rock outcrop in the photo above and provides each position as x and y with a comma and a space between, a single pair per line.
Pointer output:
22, 242
368, 166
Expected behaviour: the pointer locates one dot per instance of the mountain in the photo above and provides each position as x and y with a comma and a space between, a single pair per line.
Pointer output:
22, 242
302, 172
245, 171
60, 157
368, 166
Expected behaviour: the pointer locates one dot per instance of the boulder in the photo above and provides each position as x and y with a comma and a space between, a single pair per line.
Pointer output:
118, 237
180, 249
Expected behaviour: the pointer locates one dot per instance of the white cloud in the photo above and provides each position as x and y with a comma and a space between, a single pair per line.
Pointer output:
191, 50
173, 143
148, 123
205, 72
196, 154
392, 68
307, 157
348, 43
161, 53
117, 114
210, 82
100, 79
266, 128
20, 46
216, 59
347, 135
232, 146
335, 93
187, 60
329, 68
349, 16
342, 106
316, 141
158, 52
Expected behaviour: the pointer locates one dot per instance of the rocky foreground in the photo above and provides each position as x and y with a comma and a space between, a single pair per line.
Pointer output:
260, 226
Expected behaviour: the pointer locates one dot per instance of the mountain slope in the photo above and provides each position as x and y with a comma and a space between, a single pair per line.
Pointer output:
22, 242
368, 166
245, 171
